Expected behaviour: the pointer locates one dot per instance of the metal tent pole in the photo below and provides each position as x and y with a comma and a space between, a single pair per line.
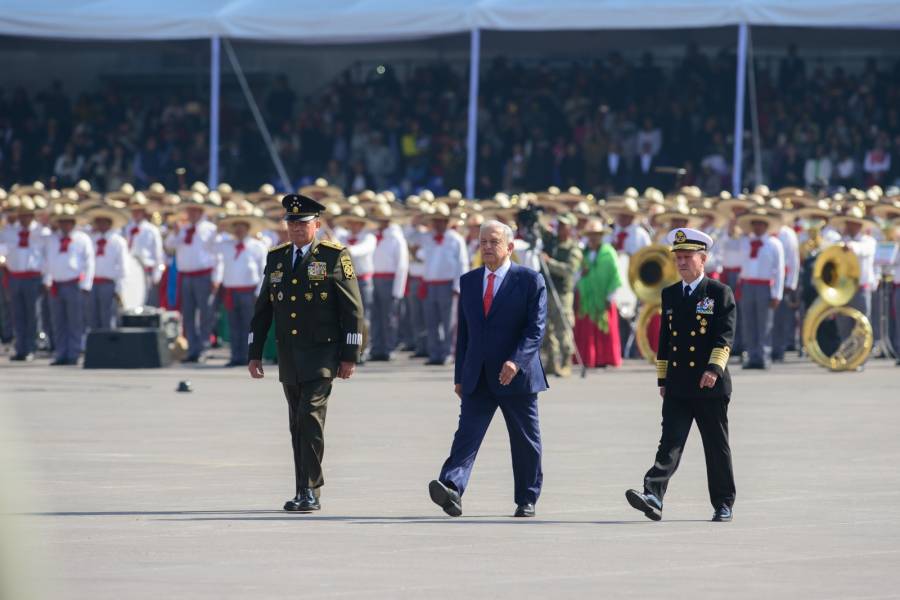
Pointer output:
472, 138
215, 73
739, 110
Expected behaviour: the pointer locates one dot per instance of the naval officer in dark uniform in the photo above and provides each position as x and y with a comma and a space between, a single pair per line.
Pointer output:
695, 340
310, 289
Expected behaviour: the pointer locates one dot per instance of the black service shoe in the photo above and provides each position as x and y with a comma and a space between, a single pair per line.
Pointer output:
646, 503
21, 357
293, 505
524, 510
380, 358
445, 497
308, 501
723, 514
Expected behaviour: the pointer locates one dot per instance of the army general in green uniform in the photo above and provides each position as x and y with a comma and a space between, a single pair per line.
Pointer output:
311, 291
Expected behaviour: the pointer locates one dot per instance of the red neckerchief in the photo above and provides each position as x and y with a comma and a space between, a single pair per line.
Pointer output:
101, 246
189, 234
755, 245
23, 237
64, 244
238, 248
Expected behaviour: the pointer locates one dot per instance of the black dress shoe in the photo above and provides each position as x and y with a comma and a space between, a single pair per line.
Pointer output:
233, 363
646, 503
292, 505
62, 362
723, 514
436, 363
445, 497
21, 358
190, 359
524, 510
308, 501
420, 355
380, 358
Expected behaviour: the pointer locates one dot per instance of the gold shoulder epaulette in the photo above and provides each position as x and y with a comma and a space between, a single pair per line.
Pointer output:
331, 244
279, 246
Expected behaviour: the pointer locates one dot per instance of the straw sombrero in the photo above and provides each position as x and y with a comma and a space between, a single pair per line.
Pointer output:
854, 215
118, 218
773, 220
356, 213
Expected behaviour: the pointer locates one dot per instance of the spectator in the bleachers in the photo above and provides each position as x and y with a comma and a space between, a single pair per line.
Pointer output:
817, 172
877, 163
380, 163
67, 169
148, 165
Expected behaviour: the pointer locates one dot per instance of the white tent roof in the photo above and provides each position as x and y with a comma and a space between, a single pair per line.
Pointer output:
318, 21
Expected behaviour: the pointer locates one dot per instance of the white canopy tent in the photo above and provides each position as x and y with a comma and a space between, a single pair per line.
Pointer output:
348, 21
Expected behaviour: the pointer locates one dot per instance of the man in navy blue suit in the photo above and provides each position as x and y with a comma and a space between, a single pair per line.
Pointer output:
502, 316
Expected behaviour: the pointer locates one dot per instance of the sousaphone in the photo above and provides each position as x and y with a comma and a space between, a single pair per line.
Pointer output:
650, 270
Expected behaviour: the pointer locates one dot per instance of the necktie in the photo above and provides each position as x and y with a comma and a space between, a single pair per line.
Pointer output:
189, 235
439, 238
755, 245
101, 247
620, 239
23, 238
133, 232
298, 256
64, 244
238, 248
489, 293
687, 291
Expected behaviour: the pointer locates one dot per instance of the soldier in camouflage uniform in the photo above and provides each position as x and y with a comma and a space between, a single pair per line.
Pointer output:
311, 291
563, 259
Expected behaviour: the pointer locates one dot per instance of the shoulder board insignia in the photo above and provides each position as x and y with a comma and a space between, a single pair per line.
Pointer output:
279, 246
331, 244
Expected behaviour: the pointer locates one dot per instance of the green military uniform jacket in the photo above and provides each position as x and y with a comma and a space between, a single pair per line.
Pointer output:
696, 335
317, 309
564, 263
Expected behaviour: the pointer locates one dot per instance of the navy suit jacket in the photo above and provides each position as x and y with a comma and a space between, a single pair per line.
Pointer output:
512, 330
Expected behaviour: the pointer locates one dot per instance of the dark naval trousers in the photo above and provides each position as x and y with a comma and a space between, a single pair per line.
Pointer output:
521, 415
307, 406
678, 414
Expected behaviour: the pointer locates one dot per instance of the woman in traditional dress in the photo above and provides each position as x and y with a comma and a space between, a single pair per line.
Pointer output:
596, 317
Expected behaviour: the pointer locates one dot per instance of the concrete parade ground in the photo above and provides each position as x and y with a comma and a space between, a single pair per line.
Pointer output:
122, 488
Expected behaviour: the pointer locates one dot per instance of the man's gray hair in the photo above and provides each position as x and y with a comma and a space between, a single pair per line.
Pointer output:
505, 229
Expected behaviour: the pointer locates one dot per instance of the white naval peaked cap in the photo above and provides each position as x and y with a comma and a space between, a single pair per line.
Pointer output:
686, 238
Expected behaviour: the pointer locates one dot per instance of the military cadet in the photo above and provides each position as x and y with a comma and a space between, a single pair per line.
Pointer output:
446, 259
69, 276
854, 226
242, 258
563, 259
195, 258
110, 253
25, 262
310, 289
696, 332
391, 264
761, 285
145, 244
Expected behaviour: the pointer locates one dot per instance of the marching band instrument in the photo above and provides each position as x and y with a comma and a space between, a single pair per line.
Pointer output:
836, 278
650, 270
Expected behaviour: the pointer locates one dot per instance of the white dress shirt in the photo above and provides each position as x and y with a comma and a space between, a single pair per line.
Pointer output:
863, 246
109, 257
28, 259
445, 260
77, 262
791, 245
244, 265
391, 258
145, 243
499, 276
414, 237
768, 263
693, 285
635, 237
200, 253
362, 248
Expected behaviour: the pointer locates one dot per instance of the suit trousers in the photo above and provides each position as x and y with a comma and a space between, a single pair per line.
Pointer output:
476, 412
711, 414
307, 405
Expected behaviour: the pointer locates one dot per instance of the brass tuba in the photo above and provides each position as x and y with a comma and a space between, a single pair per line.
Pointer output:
650, 269
836, 278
